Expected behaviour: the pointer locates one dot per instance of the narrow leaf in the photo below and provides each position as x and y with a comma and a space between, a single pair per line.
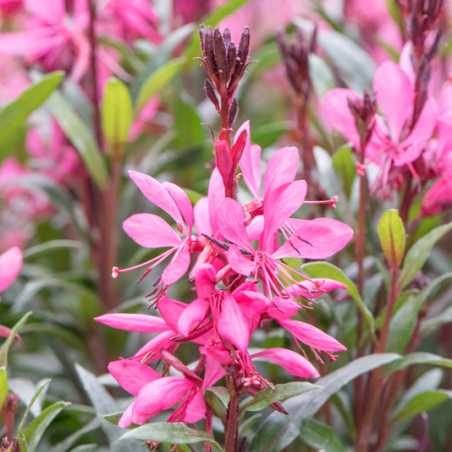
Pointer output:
391, 233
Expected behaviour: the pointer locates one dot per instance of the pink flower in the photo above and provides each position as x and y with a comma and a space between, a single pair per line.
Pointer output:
10, 267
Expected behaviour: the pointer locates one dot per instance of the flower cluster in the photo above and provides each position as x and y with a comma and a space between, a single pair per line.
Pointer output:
235, 256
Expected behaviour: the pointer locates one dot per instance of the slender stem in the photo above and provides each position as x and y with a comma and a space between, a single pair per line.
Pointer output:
232, 417
376, 379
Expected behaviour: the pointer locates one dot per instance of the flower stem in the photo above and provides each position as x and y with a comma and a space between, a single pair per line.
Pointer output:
232, 417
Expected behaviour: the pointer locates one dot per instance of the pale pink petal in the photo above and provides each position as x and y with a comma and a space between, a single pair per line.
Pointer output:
157, 194
255, 228
315, 239
281, 168
150, 231
232, 324
182, 201
438, 196
137, 323
126, 418
215, 196
231, 223
11, 263
195, 409
312, 336
193, 315
131, 374
159, 395
294, 363
202, 218
395, 95
177, 267
279, 205
171, 310
313, 288
4, 331
336, 112
250, 161
238, 262
425, 125
50, 11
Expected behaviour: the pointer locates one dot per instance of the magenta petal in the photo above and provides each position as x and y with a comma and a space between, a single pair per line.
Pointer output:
231, 223
182, 201
250, 162
312, 336
294, 363
336, 112
283, 308
395, 94
195, 409
155, 346
213, 372
131, 374
126, 418
313, 288
157, 194
232, 324
279, 205
171, 310
136, 323
11, 263
202, 218
150, 231
315, 239
238, 262
205, 280
177, 267
281, 168
215, 196
192, 315
159, 395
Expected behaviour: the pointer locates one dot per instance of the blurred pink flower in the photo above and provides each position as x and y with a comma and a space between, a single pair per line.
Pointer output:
11, 262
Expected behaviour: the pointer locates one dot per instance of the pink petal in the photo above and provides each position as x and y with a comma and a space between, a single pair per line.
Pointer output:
315, 239
177, 267
4, 331
156, 193
159, 395
126, 418
255, 228
231, 223
238, 262
438, 196
283, 308
182, 201
50, 11
232, 324
193, 315
131, 374
171, 310
11, 263
281, 168
155, 346
294, 363
137, 323
196, 409
213, 372
150, 231
279, 205
205, 280
336, 112
313, 288
215, 196
425, 125
202, 219
395, 94
312, 336
250, 162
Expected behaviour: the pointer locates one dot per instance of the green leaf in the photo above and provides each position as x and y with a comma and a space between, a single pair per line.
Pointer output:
278, 430
391, 233
154, 84
51, 245
4, 349
344, 165
35, 430
321, 75
117, 113
188, 124
37, 395
419, 358
279, 393
3, 385
327, 270
420, 252
422, 402
320, 436
173, 433
217, 398
81, 137
13, 115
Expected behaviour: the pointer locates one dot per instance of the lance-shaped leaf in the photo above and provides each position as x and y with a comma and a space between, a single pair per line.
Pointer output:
172, 433
321, 436
116, 113
81, 137
419, 253
4, 349
13, 115
391, 233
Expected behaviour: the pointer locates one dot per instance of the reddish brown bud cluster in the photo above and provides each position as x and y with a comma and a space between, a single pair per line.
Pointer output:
295, 56
363, 111
225, 64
